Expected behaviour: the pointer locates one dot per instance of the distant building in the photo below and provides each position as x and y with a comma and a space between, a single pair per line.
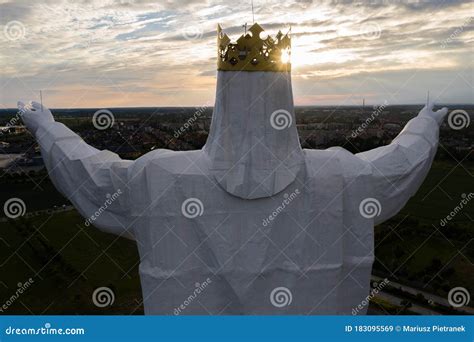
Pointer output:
12, 129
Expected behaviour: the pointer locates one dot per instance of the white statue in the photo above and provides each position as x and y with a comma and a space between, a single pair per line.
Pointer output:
252, 223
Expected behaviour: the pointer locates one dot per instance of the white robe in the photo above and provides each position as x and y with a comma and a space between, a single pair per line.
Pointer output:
257, 233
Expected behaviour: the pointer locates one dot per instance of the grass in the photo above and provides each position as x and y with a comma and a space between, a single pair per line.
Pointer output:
67, 261
416, 249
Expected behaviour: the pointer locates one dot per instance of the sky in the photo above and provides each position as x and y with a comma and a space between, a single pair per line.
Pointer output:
132, 53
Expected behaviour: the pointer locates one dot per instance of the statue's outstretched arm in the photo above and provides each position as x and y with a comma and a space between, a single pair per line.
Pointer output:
399, 169
94, 181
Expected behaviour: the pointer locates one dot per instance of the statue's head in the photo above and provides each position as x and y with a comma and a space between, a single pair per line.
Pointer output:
253, 143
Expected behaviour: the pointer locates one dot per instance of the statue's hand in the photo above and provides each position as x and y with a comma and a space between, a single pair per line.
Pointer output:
34, 115
438, 115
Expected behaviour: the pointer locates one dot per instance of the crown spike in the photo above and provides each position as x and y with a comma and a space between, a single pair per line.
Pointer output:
256, 29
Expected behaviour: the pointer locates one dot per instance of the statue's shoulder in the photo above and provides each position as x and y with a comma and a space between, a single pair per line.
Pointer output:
173, 162
161, 177
335, 160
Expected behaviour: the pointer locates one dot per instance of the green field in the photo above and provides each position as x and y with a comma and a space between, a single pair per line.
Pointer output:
67, 261
415, 249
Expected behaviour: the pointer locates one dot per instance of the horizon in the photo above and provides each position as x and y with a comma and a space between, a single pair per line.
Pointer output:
368, 105
137, 54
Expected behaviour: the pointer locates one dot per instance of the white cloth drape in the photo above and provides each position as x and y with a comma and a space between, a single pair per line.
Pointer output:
309, 240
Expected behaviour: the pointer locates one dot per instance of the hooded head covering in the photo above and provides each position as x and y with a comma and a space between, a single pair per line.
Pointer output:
253, 143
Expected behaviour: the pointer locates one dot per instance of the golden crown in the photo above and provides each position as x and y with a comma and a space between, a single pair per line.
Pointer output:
252, 53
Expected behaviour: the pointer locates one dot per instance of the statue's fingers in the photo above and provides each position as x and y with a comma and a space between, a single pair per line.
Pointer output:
30, 106
36, 105
21, 107
442, 111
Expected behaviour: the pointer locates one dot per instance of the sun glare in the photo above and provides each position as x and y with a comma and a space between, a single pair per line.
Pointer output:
285, 56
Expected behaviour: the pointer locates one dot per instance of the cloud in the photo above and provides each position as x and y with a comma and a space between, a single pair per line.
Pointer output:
164, 52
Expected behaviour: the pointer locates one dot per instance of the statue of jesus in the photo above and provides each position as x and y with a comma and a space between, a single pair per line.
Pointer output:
268, 227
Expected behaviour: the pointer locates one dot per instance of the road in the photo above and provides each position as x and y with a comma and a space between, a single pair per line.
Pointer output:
414, 291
